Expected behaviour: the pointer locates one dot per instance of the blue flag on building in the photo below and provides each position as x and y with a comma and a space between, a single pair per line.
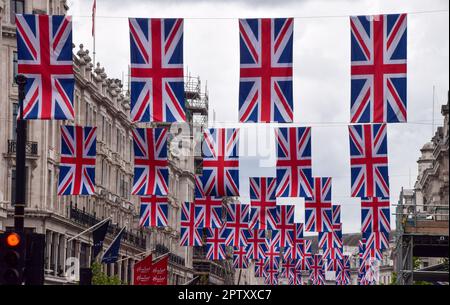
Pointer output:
112, 253
99, 236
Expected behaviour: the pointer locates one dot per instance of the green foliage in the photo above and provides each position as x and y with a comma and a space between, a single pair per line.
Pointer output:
100, 278
393, 279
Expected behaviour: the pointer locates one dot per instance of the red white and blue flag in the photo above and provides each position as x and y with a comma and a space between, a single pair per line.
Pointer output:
215, 243
343, 273
378, 68
237, 224
259, 267
151, 172
256, 244
369, 160
157, 86
375, 215
295, 276
209, 208
44, 52
221, 162
336, 214
263, 203
154, 211
265, 88
285, 225
294, 169
286, 267
272, 262
331, 239
77, 164
377, 241
297, 243
332, 254
318, 211
190, 235
240, 258
305, 262
317, 272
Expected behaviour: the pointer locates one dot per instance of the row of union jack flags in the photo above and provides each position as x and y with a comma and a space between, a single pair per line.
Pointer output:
378, 68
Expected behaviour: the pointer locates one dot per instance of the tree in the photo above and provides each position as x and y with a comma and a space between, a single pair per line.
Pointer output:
100, 278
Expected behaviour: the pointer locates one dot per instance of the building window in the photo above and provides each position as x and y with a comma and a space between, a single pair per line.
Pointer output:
15, 66
17, 7
15, 111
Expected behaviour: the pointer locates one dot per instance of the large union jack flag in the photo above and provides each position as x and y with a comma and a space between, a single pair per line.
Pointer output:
294, 173
240, 258
44, 52
263, 203
318, 211
369, 160
297, 243
151, 172
256, 243
209, 208
215, 243
265, 88
154, 211
77, 165
285, 225
317, 272
157, 87
190, 235
378, 54
375, 215
221, 162
237, 224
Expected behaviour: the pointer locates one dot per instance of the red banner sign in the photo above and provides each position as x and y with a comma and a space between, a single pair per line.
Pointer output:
159, 272
143, 271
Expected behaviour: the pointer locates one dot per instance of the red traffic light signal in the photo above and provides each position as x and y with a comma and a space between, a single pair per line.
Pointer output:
12, 261
12, 239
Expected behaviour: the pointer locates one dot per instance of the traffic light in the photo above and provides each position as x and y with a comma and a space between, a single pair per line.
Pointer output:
12, 261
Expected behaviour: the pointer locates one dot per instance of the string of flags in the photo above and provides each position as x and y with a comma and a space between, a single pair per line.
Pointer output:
262, 232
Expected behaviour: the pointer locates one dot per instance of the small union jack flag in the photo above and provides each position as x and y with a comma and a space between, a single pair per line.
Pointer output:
332, 254
154, 211
297, 242
77, 165
265, 88
221, 162
305, 262
317, 273
336, 214
151, 172
240, 258
285, 226
369, 160
295, 276
44, 52
272, 261
256, 244
286, 268
190, 235
157, 87
209, 208
377, 241
263, 203
294, 169
332, 239
375, 215
259, 267
378, 55
343, 273
215, 243
318, 213
237, 224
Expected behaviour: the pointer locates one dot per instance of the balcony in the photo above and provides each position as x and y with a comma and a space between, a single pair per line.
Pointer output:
31, 148
88, 220
173, 258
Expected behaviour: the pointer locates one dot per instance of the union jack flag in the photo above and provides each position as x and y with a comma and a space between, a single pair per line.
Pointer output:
154, 211
191, 236
208, 208
343, 272
221, 162
375, 215
286, 268
77, 165
259, 267
378, 55
240, 258
237, 224
295, 277
256, 244
44, 52
336, 214
318, 214
157, 87
332, 254
272, 263
369, 161
285, 226
317, 273
294, 173
377, 241
332, 239
215, 243
297, 242
304, 263
151, 172
265, 88
263, 203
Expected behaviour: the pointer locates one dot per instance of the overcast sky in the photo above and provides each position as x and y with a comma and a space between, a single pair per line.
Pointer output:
321, 73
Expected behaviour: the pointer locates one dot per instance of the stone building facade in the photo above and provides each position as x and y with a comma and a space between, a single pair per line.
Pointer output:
99, 101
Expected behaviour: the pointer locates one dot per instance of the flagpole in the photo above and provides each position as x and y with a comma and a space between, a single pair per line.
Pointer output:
89, 229
94, 11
